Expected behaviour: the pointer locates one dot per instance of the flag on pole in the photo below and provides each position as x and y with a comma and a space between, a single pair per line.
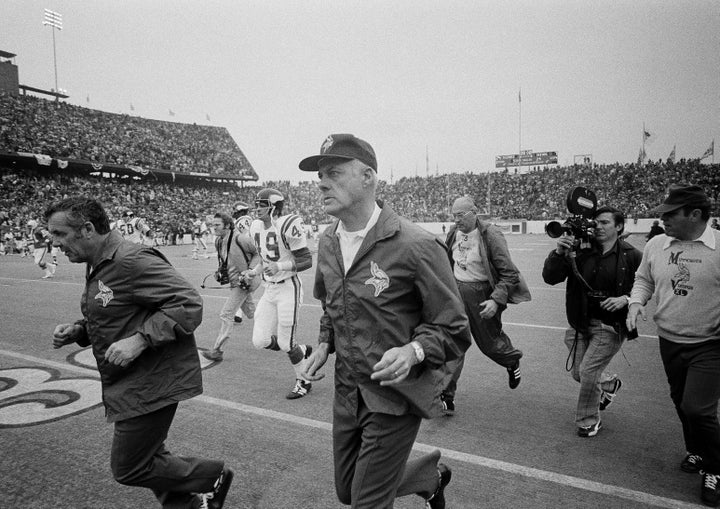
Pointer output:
671, 157
519, 96
207, 117
88, 98
132, 108
710, 151
171, 112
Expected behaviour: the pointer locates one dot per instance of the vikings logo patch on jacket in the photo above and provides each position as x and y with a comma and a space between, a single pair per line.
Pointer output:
379, 279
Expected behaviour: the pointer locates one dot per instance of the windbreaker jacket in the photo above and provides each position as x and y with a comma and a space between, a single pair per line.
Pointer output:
135, 289
399, 289
507, 284
557, 268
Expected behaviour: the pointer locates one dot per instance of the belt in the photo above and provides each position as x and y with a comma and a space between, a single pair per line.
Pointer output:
276, 282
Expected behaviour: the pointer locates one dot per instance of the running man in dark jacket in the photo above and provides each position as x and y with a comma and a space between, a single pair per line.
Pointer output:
393, 317
139, 316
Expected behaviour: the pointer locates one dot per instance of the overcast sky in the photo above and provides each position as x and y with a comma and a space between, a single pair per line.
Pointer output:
409, 77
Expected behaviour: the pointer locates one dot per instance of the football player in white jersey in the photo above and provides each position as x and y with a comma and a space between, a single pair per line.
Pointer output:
282, 245
134, 229
243, 219
42, 240
200, 232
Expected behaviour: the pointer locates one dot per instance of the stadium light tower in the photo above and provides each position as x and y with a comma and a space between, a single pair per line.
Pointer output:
54, 20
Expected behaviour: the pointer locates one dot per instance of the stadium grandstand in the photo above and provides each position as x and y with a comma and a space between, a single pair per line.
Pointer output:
171, 173
65, 135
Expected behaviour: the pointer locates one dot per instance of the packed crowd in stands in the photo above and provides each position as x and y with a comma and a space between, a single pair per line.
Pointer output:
537, 195
33, 125
541, 193
59, 130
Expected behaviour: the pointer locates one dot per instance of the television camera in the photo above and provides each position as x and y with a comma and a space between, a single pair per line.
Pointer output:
582, 204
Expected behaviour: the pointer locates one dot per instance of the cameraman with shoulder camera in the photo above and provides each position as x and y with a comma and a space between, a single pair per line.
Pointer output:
599, 280
236, 253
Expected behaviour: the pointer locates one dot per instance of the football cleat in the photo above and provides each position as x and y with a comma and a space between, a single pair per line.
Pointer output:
437, 499
300, 389
607, 397
212, 355
448, 404
589, 431
216, 498
514, 375
692, 464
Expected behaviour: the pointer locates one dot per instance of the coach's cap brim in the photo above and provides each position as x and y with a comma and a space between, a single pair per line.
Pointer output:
343, 147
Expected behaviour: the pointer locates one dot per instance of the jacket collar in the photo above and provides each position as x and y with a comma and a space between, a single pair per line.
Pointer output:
107, 251
361, 233
387, 224
481, 225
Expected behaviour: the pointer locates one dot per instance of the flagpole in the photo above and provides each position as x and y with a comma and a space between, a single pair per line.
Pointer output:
519, 129
643, 136
427, 161
54, 21
57, 98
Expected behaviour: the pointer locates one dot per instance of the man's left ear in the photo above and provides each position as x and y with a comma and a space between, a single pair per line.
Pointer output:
368, 174
88, 229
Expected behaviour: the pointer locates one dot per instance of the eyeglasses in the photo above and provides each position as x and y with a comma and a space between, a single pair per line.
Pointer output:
461, 215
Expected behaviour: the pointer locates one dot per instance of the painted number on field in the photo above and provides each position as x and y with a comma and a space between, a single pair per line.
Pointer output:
30, 396
37, 395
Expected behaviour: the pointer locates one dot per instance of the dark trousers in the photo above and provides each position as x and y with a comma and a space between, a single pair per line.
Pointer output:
371, 452
693, 372
487, 333
139, 458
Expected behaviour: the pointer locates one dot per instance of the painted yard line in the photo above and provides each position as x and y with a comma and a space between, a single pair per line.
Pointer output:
512, 468
41, 281
561, 479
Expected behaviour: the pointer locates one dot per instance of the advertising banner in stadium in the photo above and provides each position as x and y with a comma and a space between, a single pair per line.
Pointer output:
526, 158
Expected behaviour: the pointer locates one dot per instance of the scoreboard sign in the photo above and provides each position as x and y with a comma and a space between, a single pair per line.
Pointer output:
526, 158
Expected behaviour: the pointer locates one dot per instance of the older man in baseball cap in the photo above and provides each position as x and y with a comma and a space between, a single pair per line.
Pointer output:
393, 317
682, 268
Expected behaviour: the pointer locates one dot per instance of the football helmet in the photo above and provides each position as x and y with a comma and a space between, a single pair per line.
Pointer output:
240, 209
271, 199
242, 224
128, 214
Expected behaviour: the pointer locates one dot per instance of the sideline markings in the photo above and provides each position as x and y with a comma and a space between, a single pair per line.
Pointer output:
472, 459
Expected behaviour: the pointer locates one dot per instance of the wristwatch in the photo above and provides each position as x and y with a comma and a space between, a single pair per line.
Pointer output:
419, 352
